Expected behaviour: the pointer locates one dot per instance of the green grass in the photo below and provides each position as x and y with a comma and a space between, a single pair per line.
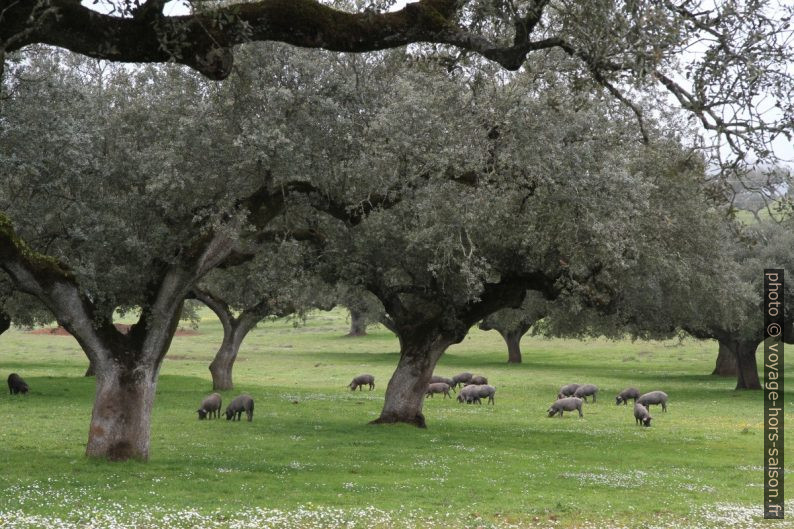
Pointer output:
309, 458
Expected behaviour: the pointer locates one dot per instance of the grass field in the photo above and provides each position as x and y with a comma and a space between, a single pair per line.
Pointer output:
310, 460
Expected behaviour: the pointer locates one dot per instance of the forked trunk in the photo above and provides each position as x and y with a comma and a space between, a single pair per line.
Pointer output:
234, 332
127, 366
358, 324
120, 421
405, 394
747, 368
726, 362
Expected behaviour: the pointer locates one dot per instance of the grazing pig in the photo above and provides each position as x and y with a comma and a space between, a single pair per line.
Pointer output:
448, 381
438, 387
626, 394
469, 394
485, 390
360, 380
583, 392
210, 406
16, 384
566, 404
641, 415
654, 397
478, 380
461, 378
567, 390
238, 405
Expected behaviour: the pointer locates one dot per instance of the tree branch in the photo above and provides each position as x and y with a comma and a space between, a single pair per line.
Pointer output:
52, 283
204, 40
217, 305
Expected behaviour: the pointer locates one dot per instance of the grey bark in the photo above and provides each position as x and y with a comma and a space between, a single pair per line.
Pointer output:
126, 365
424, 339
726, 365
358, 324
223, 363
743, 350
121, 418
235, 329
405, 394
747, 368
511, 335
513, 341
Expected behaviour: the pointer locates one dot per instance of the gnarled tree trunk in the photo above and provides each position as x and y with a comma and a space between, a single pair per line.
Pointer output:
726, 362
234, 332
405, 394
511, 333
427, 323
358, 324
743, 351
223, 363
127, 367
513, 341
747, 368
120, 421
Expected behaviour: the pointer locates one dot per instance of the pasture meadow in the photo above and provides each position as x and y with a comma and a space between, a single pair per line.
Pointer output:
310, 460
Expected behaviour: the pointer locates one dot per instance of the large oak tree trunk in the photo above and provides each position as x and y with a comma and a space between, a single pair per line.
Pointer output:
120, 421
747, 368
358, 324
127, 367
405, 394
726, 362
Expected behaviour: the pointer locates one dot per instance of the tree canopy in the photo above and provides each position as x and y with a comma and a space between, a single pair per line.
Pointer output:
125, 201
724, 62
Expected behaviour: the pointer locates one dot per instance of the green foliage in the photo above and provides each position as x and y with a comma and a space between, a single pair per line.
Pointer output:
501, 466
769, 244
539, 195
90, 178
